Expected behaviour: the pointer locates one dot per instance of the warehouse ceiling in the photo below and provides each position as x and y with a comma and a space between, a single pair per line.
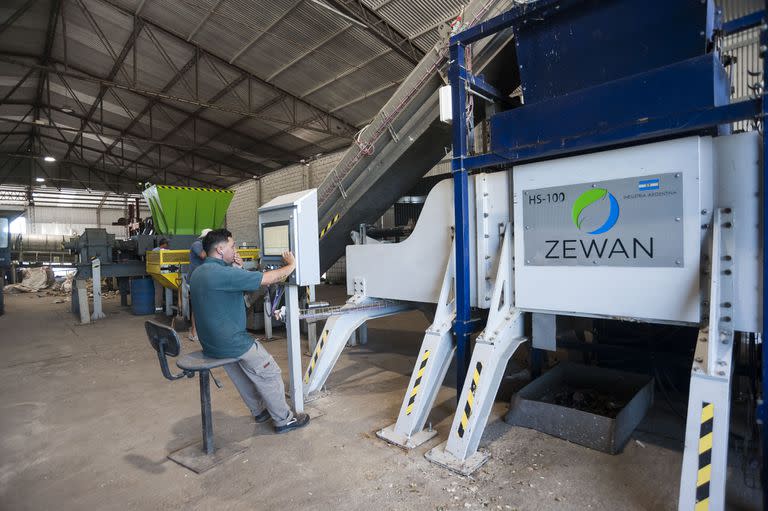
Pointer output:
195, 92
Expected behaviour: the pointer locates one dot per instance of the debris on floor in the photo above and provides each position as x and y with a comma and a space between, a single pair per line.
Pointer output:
33, 280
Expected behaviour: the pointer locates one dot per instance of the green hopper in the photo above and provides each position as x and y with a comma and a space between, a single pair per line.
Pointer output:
187, 210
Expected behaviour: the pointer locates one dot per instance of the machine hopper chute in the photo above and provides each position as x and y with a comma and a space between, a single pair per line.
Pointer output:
187, 210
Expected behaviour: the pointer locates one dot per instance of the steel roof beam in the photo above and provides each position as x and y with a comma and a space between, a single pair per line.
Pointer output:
345, 127
16, 87
264, 32
16, 15
130, 137
291, 124
381, 28
138, 25
202, 21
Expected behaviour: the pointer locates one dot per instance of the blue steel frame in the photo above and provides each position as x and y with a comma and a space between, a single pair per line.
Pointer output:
463, 81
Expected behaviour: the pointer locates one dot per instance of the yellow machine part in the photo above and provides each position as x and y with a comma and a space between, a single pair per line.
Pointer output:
167, 266
248, 254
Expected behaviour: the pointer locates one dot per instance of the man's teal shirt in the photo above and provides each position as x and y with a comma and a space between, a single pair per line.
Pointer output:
217, 299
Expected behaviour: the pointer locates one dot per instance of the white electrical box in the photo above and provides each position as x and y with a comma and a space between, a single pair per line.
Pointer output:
289, 223
446, 104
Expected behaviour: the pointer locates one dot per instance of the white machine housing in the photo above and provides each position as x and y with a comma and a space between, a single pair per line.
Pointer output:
720, 172
413, 269
289, 222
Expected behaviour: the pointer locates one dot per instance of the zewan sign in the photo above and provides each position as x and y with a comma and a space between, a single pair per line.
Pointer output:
622, 222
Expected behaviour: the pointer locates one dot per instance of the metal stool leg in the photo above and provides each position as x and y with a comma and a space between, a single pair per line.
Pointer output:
205, 411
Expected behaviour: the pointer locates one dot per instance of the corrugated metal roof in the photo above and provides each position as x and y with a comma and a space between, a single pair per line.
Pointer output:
415, 17
319, 62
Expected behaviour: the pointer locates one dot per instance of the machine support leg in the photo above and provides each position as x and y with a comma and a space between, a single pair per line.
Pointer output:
294, 346
362, 334
168, 301
702, 483
205, 411
334, 335
82, 299
311, 327
97, 310
428, 374
502, 336
123, 285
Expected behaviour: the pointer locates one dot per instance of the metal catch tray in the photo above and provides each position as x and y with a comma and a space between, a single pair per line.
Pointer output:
624, 399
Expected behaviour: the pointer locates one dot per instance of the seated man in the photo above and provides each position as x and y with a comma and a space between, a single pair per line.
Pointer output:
217, 288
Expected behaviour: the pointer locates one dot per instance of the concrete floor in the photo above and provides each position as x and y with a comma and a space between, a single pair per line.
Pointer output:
87, 420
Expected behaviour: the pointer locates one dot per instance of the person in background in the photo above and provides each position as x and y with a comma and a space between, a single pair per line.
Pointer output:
196, 258
161, 245
217, 294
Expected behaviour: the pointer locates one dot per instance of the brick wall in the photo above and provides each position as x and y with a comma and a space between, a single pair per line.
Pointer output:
242, 215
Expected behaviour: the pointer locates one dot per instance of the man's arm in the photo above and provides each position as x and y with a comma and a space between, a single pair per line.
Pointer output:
197, 248
280, 274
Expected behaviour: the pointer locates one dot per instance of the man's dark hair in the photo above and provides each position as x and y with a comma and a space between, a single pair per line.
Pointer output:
162, 242
215, 237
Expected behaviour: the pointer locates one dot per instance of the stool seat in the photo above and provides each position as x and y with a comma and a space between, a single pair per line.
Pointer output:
197, 361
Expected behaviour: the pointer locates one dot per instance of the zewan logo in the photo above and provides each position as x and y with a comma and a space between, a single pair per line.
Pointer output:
590, 198
595, 212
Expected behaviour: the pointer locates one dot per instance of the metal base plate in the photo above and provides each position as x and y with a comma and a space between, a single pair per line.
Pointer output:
403, 441
438, 456
193, 457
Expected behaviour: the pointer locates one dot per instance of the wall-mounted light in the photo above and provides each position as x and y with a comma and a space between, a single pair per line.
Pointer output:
40, 179
49, 159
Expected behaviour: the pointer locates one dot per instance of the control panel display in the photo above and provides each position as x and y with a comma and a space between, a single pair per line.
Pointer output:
275, 239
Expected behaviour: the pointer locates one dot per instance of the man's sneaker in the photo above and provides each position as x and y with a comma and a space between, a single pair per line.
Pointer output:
262, 417
297, 421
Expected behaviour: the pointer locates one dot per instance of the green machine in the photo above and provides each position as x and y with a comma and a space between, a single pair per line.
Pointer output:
179, 210
179, 214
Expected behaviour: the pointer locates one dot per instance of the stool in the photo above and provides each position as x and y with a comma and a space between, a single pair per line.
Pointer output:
197, 362
165, 341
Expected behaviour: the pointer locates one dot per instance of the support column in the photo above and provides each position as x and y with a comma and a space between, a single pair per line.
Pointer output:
123, 284
362, 334
705, 458
461, 327
294, 346
82, 301
97, 310
267, 319
205, 411
168, 301
311, 327
762, 412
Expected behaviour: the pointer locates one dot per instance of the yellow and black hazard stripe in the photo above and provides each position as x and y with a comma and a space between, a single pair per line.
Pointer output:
705, 457
316, 355
467, 412
194, 189
330, 224
417, 383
